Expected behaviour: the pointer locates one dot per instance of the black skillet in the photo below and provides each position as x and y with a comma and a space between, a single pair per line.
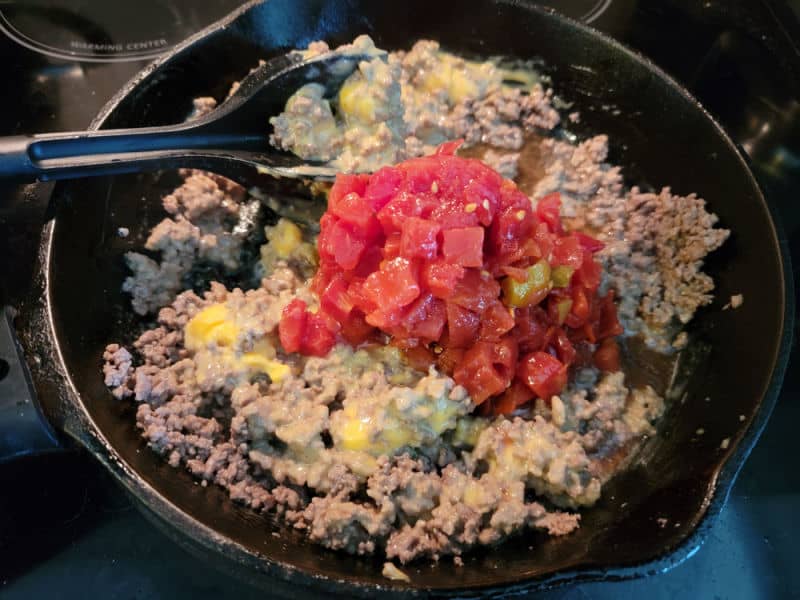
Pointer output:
659, 134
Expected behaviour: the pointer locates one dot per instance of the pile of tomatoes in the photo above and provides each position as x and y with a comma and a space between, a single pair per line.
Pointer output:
455, 266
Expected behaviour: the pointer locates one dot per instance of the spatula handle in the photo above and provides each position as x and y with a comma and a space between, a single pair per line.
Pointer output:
78, 154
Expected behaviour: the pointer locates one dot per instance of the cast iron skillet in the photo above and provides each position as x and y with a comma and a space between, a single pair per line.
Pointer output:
660, 135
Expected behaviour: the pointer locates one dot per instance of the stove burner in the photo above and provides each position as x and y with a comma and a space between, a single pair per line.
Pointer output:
101, 31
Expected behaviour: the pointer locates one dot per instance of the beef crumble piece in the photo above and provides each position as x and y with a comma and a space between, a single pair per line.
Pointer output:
204, 210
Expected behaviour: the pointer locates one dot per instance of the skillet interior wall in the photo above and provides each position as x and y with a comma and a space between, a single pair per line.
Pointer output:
659, 137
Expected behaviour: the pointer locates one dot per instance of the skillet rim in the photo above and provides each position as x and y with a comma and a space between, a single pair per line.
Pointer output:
82, 427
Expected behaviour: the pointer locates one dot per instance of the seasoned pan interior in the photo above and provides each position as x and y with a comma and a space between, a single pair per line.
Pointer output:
658, 135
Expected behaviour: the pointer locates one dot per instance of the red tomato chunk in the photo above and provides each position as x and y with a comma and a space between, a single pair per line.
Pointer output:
455, 265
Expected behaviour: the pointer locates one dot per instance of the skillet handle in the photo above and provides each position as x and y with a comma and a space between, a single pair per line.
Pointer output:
23, 429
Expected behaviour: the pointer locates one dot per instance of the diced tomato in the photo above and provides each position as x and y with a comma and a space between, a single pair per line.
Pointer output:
418, 238
292, 325
606, 357
564, 349
382, 187
346, 184
475, 290
357, 212
462, 326
355, 329
441, 277
544, 240
335, 300
608, 324
487, 368
588, 275
588, 331
509, 229
543, 373
420, 358
505, 353
344, 244
420, 173
548, 209
531, 326
584, 354
502, 405
425, 318
516, 273
512, 197
360, 297
301, 331
392, 215
558, 308
417, 252
318, 339
453, 214
580, 310
515, 396
385, 319
370, 261
327, 270
394, 285
567, 251
496, 321
391, 248
449, 359
449, 148
463, 246
589, 243
482, 193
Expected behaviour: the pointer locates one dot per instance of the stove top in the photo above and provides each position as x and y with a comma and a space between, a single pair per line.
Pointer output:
66, 527
100, 31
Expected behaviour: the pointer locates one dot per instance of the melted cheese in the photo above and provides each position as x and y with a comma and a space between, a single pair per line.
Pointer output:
403, 416
212, 334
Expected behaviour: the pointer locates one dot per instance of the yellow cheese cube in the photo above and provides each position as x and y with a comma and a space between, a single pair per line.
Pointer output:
356, 102
355, 435
285, 237
277, 371
210, 326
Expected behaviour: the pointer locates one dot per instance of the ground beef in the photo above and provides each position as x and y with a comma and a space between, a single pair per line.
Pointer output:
654, 259
201, 107
505, 163
472, 511
579, 172
552, 462
405, 484
205, 196
680, 233
117, 370
205, 209
150, 284
503, 116
735, 302
307, 127
160, 347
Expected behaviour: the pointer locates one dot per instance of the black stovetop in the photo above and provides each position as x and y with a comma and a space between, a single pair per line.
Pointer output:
68, 531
